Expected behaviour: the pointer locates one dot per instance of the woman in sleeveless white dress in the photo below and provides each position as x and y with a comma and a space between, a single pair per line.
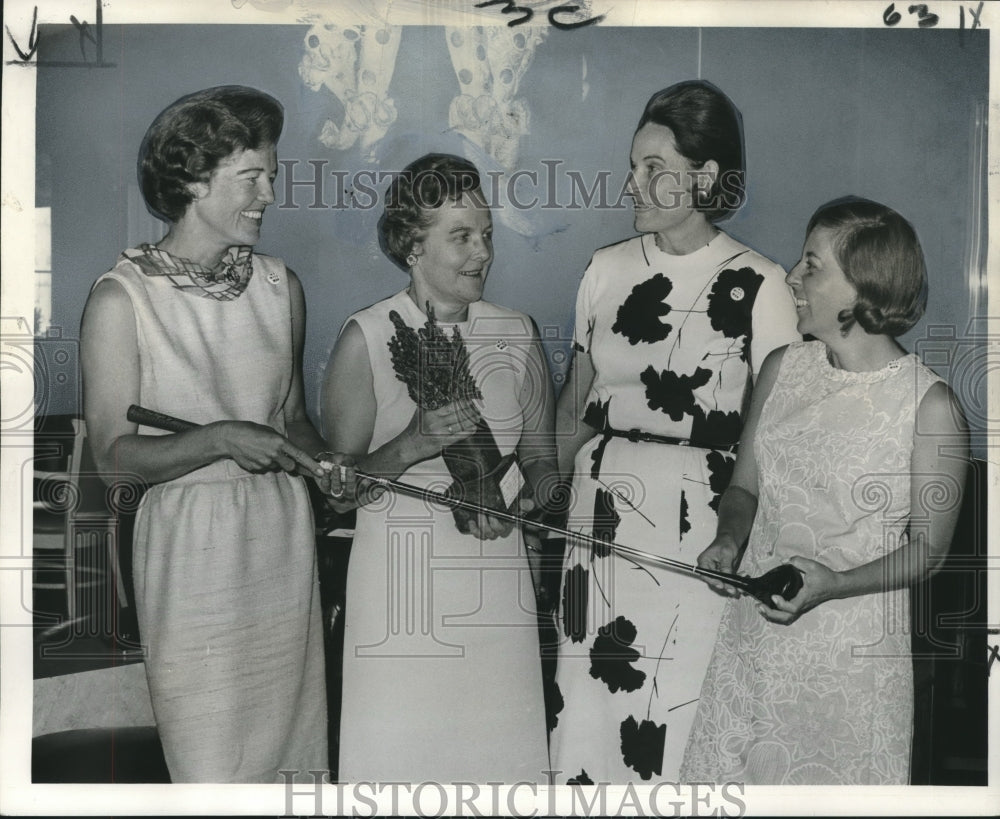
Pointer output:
202, 328
851, 469
442, 672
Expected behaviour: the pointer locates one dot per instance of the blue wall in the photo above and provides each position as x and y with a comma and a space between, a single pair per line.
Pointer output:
885, 114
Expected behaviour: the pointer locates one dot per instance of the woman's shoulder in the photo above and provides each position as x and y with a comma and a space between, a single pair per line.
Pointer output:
488, 309
494, 320
796, 355
928, 383
375, 317
736, 253
939, 410
608, 264
268, 262
616, 251
124, 266
116, 290
267, 257
125, 276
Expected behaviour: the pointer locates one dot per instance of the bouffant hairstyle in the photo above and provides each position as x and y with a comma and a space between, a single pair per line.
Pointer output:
880, 254
189, 138
415, 194
706, 125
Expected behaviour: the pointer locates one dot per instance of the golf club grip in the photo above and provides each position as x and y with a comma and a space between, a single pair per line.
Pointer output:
157, 420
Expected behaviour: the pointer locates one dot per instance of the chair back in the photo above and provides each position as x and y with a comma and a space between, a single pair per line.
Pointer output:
99, 529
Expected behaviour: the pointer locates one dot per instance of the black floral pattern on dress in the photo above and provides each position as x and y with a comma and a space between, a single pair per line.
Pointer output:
685, 524
597, 457
606, 520
716, 428
639, 316
554, 702
580, 779
673, 393
588, 337
642, 746
720, 472
612, 655
730, 303
596, 414
574, 603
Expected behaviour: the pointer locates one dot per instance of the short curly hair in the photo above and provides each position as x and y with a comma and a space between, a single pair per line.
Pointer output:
189, 139
414, 194
880, 254
706, 125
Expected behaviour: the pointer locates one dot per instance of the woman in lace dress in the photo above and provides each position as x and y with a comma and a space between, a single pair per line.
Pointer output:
851, 468
671, 327
201, 327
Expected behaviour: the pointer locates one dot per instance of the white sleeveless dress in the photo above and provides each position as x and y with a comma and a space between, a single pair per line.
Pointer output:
827, 700
442, 673
224, 560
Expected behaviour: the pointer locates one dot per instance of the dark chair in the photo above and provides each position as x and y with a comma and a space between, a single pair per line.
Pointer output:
52, 498
99, 756
83, 611
950, 659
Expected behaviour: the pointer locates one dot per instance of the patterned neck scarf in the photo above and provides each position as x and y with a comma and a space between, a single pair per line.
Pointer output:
225, 282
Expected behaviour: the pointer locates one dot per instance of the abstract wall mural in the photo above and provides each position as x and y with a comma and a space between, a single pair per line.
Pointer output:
355, 63
489, 64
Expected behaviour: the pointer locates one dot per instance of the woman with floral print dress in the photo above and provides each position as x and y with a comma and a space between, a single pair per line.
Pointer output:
671, 327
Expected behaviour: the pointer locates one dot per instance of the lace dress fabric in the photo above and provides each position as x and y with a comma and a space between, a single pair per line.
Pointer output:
828, 699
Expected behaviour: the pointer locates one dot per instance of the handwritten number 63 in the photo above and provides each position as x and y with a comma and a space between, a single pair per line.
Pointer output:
925, 18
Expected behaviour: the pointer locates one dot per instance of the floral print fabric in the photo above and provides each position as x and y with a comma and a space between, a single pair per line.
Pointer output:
673, 340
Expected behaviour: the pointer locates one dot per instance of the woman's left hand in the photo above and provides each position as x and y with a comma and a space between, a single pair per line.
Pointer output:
338, 480
819, 584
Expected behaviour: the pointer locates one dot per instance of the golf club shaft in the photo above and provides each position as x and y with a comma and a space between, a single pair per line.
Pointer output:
458, 503
159, 420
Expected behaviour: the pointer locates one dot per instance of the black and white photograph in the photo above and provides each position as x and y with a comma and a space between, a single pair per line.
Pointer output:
498, 407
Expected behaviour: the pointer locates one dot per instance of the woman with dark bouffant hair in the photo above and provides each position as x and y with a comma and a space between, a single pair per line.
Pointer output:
201, 327
671, 329
442, 673
851, 468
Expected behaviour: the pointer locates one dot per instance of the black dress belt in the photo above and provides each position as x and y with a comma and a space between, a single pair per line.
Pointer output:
636, 436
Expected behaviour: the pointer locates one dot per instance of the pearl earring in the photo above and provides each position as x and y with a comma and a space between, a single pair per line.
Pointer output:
411, 260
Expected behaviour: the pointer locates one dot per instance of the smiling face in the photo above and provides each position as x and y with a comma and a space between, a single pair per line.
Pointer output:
661, 182
453, 257
820, 287
229, 208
